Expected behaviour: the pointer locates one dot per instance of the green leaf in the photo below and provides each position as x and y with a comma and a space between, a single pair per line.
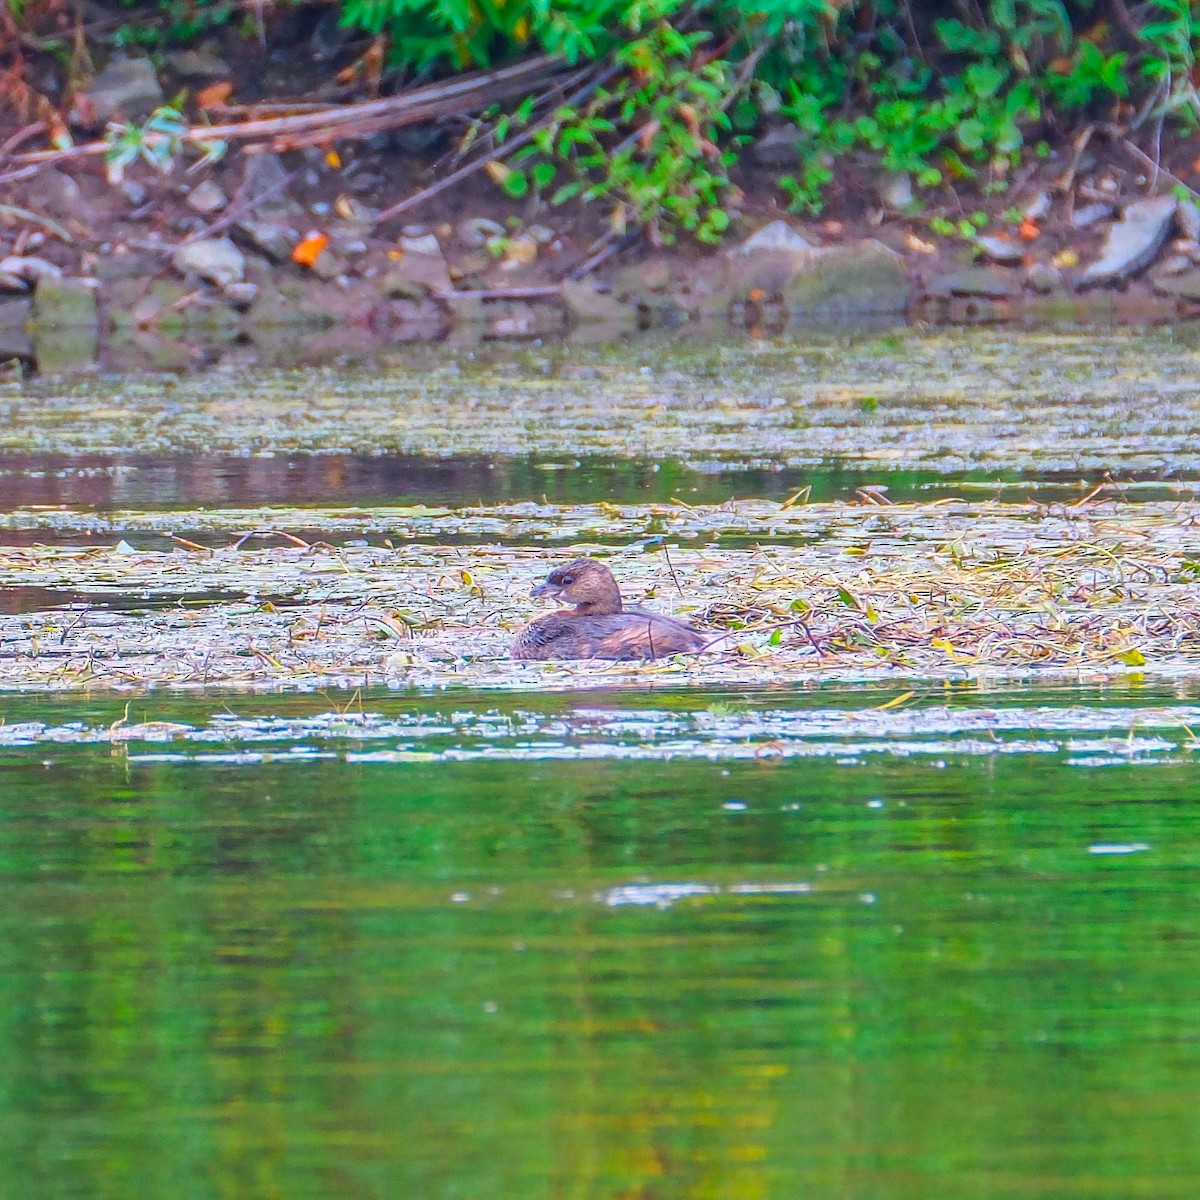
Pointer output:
516, 184
970, 134
984, 79
961, 39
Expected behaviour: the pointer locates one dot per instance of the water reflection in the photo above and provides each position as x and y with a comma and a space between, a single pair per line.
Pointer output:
108, 481
903, 977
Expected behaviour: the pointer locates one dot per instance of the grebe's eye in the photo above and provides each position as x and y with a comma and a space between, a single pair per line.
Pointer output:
567, 580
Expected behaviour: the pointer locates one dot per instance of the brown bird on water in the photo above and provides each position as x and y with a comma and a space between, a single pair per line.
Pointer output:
599, 626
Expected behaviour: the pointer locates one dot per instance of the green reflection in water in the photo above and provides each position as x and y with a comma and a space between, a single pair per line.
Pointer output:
320, 979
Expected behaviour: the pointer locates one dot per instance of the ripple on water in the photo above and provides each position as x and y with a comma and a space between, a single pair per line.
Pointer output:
1088, 736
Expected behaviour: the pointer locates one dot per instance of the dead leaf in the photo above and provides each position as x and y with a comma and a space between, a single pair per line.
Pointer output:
309, 250
214, 94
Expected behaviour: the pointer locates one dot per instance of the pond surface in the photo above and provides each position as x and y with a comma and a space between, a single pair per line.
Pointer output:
653, 932
99, 483
262, 947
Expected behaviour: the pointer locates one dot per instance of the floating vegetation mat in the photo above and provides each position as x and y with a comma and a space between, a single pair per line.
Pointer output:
804, 593
946, 402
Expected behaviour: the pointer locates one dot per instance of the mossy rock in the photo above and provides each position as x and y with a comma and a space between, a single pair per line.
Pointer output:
863, 278
290, 303
66, 350
214, 321
65, 326
807, 281
15, 318
65, 303
587, 305
1185, 285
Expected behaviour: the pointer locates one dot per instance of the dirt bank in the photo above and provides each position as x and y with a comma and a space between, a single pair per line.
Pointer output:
302, 255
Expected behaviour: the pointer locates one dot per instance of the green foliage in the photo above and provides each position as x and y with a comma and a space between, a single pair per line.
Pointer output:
650, 145
466, 33
1031, 32
159, 142
964, 227
181, 20
942, 99
940, 118
1089, 76
1171, 36
662, 141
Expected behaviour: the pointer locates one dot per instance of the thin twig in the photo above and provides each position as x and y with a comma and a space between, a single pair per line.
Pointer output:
612, 243
351, 120
22, 135
1066, 181
537, 292
21, 173
671, 568
265, 533
23, 214
1147, 161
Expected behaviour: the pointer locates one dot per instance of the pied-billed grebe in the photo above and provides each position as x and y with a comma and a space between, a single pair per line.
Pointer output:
599, 626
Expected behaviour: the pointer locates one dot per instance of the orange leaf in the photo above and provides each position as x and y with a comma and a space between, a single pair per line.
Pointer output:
1028, 230
214, 94
309, 250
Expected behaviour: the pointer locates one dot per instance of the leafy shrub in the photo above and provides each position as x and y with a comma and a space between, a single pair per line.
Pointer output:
473, 33
940, 98
669, 168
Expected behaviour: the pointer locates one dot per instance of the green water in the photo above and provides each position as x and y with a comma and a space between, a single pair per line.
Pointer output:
243, 957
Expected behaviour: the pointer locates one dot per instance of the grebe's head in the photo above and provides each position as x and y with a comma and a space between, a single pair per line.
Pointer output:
586, 583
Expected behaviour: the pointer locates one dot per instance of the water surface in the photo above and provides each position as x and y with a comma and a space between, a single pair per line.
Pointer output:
925, 937
924, 970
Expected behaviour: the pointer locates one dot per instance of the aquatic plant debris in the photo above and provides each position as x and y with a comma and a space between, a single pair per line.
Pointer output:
1086, 401
1101, 583
949, 589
